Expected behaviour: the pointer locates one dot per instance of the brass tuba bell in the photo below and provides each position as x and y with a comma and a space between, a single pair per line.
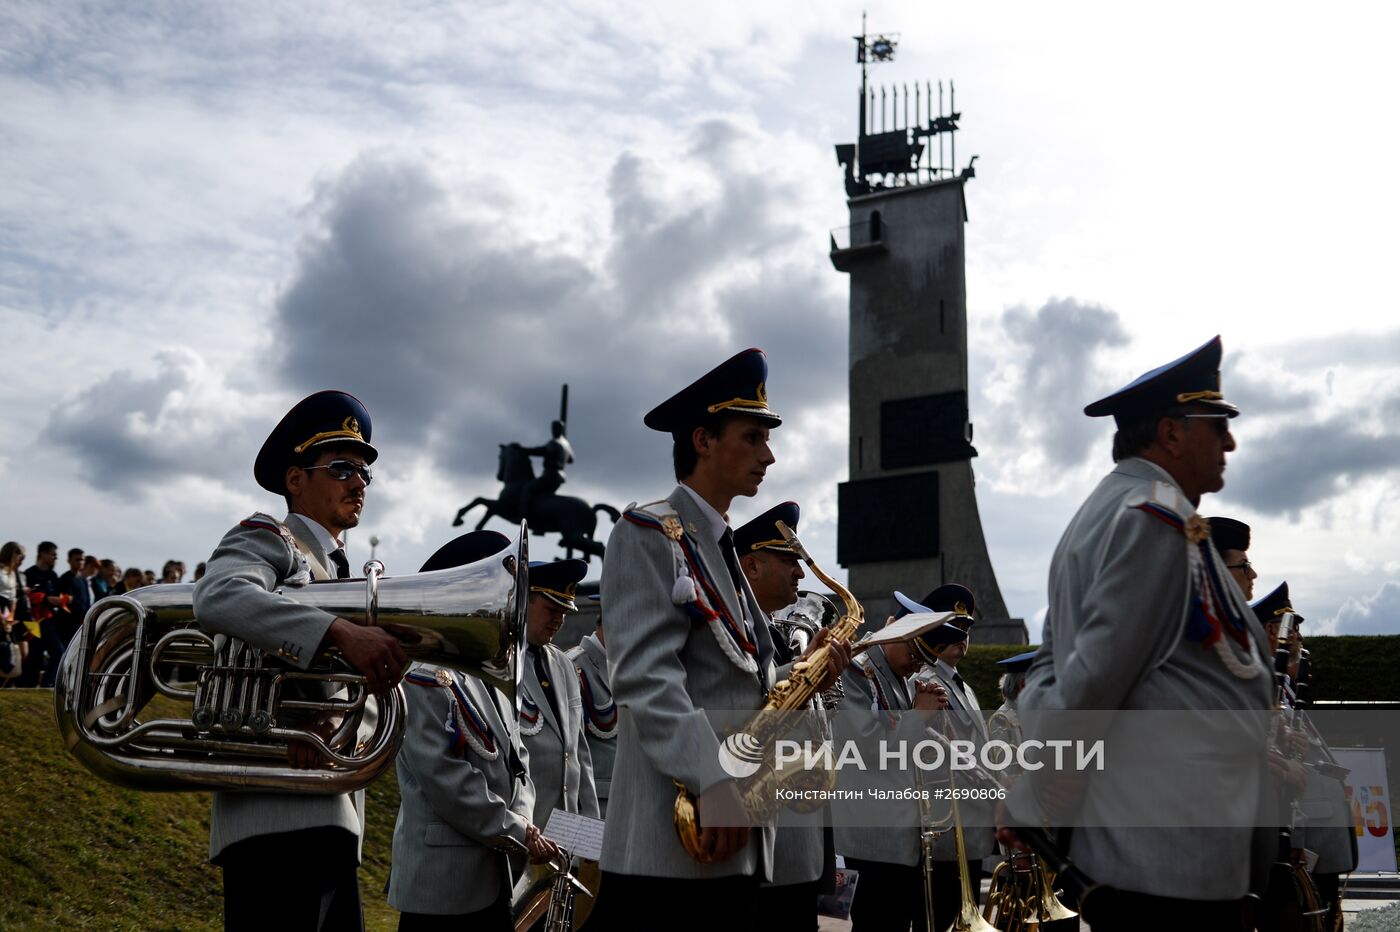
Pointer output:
147, 700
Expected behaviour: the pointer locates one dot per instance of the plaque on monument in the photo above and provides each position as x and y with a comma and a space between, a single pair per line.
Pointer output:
889, 518
925, 430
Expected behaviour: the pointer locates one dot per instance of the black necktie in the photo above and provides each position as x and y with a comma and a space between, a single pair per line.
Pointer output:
903, 685
342, 565
958, 681
731, 562
726, 547
542, 674
510, 719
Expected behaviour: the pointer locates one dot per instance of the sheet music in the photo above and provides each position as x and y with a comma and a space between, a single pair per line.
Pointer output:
575, 833
908, 627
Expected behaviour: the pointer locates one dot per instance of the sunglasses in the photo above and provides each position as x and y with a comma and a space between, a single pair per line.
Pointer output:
1221, 421
344, 469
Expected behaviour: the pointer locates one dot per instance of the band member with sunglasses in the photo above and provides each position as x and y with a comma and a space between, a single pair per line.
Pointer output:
1231, 539
307, 847
1143, 616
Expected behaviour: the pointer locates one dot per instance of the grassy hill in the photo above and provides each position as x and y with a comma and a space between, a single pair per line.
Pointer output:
77, 852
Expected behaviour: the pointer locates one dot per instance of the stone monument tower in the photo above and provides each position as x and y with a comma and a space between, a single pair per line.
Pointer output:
908, 516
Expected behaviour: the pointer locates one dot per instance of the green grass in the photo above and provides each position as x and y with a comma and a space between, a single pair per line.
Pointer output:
77, 852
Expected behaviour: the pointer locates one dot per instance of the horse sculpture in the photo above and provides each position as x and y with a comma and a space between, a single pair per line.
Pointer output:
572, 518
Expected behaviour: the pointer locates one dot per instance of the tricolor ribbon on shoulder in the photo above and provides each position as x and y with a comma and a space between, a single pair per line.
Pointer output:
1212, 618
600, 722
696, 593
465, 724
530, 719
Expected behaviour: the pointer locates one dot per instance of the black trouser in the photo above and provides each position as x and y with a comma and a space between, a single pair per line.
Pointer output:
44, 653
889, 897
494, 918
791, 906
1121, 911
645, 904
309, 874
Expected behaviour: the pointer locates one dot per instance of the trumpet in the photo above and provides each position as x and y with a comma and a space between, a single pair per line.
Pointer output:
239, 708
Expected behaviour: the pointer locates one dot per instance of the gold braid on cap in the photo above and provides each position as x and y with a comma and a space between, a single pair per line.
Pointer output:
1286, 610
544, 590
760, 402
349, 430
1185, 397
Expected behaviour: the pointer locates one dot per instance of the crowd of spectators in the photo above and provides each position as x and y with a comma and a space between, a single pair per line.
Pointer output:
41, 610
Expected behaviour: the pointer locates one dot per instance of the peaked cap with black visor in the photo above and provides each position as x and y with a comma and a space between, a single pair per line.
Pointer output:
558, 581
1276, 603
1229, 534
762, 532
949, 597
735, 386
1194, 378
328, 418
468, 548
1019, 663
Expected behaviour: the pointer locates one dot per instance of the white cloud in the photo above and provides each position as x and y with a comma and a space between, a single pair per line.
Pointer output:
208, 210
1378, 613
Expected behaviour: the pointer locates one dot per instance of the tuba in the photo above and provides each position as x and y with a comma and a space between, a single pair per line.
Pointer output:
147, 700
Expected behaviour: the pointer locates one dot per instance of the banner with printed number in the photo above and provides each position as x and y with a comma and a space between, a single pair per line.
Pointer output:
1369, 792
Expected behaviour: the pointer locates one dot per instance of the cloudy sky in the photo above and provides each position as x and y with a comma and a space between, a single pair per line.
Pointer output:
211, 210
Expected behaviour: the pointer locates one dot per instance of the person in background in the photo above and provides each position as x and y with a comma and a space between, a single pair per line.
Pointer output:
590, 659
464, 790
1231, 538
131, 579
76, 585
14, 606
105, 582
46, 644
12, 588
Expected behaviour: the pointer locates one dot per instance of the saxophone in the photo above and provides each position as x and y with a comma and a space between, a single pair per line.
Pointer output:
555, 900
783, 709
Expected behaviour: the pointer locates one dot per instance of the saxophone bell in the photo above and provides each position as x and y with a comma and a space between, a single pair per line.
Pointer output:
785, 702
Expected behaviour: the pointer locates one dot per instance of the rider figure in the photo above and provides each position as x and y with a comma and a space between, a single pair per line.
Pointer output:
557, 453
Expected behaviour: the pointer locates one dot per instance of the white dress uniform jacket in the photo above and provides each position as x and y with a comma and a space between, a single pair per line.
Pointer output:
237, 598
669, 661
560, 767
872, 687
590, 659
1120, 592
460, 795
